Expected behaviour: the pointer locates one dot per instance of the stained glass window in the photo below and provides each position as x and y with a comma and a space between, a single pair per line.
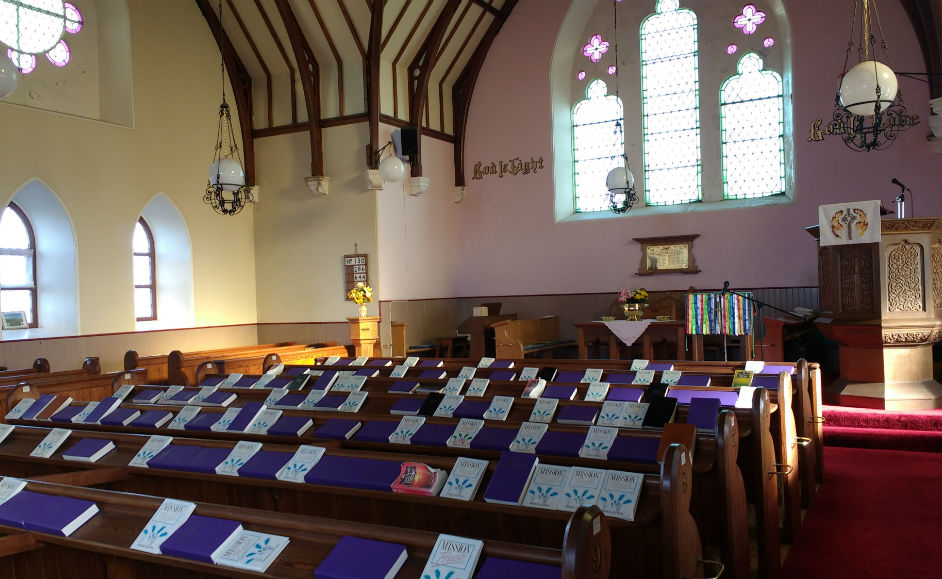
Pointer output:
17, 264
753, 131
598, 145
670, 105
31, 27
145, 282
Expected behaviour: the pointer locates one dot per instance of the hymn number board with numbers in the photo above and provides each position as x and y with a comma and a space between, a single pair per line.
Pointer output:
355, 268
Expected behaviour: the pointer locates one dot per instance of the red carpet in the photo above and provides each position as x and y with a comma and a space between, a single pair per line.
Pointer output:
877, 515
869, 428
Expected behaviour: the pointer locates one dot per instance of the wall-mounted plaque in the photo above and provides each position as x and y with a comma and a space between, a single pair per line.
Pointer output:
355, 268
673, 254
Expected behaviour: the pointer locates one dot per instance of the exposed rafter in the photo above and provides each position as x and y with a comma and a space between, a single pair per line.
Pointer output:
310, 82
241, 83
373, 53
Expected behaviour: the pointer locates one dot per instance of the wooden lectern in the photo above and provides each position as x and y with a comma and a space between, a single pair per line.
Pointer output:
882, 304
364, 332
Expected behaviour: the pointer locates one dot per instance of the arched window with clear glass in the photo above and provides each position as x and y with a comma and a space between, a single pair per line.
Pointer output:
145, 273
598, 145
18, 292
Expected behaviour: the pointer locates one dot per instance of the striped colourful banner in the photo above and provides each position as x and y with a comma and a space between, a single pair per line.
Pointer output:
719, 313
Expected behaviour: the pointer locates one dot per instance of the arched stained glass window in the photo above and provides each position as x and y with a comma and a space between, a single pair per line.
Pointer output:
598, 145
670, 105
753, 131
145, 276
18, 264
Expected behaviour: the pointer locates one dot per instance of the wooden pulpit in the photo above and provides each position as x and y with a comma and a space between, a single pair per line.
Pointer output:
363, 333
882, 304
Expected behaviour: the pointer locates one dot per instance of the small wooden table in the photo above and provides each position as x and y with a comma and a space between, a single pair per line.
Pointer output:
592, 331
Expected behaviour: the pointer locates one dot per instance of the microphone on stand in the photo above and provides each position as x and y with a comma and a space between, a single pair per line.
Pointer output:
895, 181
726, 287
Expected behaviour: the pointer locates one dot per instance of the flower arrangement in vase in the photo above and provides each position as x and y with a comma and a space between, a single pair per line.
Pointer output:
633, 302
361, 294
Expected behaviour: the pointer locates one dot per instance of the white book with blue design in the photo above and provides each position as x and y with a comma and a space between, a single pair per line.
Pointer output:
399, 371
528, 373
5, 431
408, 426
87, 411
467, 372
312, 398
359, 360
485, 362
477, 387
544, 409
465, 479
274, 395
633, 415
252, 550
350, 383
354, 401
620, 492
453, 386
582, 488
170, 515
240, 454
528, 437
150, 449
638, 364
464, 433
169, 393
596, 392
547, 486
228, 416
446, 408
612, 413
51, 442
202, 395
264, 420
592, 375
670, 377
18, 410
300, 464
499, 408
643, 377
331, 360
598, 441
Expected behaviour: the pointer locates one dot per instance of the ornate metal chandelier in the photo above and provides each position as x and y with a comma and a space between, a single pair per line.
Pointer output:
620, 182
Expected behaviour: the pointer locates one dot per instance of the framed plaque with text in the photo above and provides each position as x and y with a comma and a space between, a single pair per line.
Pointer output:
673, 254
355, 268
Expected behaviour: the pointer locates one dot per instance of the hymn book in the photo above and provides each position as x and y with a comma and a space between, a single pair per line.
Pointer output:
528, 437
150, 449
582, 488
619, 494
547, 486
301, 463
51, 443
170, 515
465, 479
543, 410
453, 557
347, 560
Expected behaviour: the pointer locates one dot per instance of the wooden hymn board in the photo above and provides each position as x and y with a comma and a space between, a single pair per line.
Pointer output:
355, 268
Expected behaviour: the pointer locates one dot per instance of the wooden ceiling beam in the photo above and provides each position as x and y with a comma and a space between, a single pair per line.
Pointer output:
241, 82
374, 52
421, 70
258, 58
926, 19
464, 86
310, 83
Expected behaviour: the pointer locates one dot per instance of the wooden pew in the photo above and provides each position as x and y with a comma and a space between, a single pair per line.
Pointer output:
662, 541
518, 338
101, 547
40, 365
91, 387
90, 367
262, 362
157, 364
181, 367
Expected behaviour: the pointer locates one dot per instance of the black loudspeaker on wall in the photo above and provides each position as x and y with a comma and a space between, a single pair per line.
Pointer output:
408, 146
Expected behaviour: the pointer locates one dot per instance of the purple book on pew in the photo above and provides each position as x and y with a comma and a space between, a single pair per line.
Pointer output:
572, 414
189, 458
278, 382
433, 434
774, 370
330, 402
213, 380
559, 391
376, 431
354, 472
561, 443
181, 397
324, 380
407, 405
38, 406
693, 380
703, 412
147, 396
290, 400
152, 419
346, 560
569, 377
120, 417
219, 398
53, 514
338, 429
430, 363
502, 364
200, 538
625, 394
88, 449
294, 370
471, 409
203, 422
511, 477
264, 464
688, 396
619, 377
288, 425
343, 362
245, 416
767, 381
659, 366
104, 407
635, 449
66, 414
502, 375
433, 374
368, 372
403, 386
379, 362
500, 568
246, 381
493, 438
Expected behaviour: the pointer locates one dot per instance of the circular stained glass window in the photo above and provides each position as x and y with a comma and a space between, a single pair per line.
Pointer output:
60, 55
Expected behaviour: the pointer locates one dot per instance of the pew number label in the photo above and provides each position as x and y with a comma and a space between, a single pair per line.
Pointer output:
355, 269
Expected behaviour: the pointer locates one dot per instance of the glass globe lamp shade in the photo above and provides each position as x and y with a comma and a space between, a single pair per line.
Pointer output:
619, 178
392, 169
8, 77
859, 87
229, 174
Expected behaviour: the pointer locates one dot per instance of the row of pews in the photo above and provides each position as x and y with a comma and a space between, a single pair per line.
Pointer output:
687, 508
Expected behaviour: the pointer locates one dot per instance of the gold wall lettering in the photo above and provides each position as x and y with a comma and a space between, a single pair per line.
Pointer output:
818, 130
515, 166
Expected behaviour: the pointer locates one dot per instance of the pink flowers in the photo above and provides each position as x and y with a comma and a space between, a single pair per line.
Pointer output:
596, 48
749, 20
638, 296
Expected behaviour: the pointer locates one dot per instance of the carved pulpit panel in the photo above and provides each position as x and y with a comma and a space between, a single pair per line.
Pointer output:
825, 293
904, 267
856, 275
937, 276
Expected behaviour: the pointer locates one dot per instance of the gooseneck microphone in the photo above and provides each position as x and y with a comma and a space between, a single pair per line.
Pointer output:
726, 287
895, 181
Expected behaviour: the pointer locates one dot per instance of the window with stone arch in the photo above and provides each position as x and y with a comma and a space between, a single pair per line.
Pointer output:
598, 145
145, 272
18, 291
752, 118
670, 105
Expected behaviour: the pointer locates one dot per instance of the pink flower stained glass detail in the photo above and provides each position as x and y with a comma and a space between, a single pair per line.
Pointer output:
749, 20
768, 42
25, 62
73, 18
611, 69
731, 49
60, 54
581, 75
595, 48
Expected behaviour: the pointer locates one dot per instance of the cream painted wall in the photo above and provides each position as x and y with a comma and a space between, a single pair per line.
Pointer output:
104, 174
511, 243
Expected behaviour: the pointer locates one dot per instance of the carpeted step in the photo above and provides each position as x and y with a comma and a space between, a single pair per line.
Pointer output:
850, 417
915, 440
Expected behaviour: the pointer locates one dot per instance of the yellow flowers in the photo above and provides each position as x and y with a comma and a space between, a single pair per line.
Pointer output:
361, 294
638, 296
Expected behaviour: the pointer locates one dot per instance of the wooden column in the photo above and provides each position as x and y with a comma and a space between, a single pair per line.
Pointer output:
364, 332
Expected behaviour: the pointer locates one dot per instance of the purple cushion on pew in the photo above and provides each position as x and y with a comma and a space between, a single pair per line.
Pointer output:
561, 443
685, 396
635, 449
471, 409
353, 472
264, 464
619, 377
629, 394
376, 431
492, 438
433, 434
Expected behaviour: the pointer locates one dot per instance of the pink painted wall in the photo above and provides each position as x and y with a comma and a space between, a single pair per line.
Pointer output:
509, 240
